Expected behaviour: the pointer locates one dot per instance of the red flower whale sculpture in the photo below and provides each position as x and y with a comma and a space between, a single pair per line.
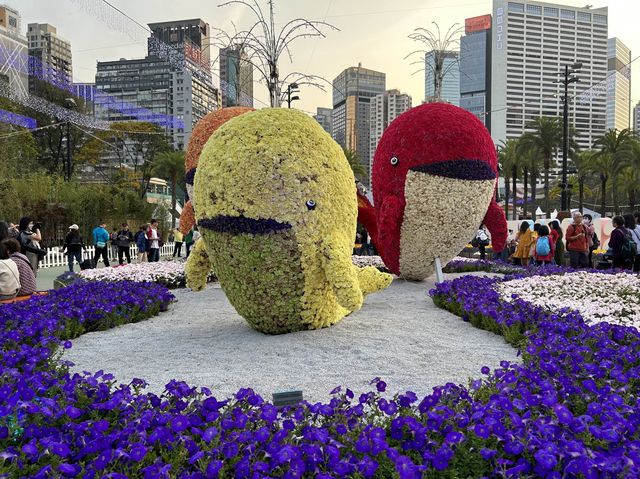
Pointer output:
433, 180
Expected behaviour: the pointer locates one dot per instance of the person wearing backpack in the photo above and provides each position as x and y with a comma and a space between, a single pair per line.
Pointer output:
622, 245
578, 243
545, 245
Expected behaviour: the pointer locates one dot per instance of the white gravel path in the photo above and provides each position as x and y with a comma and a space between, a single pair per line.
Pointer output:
398, 335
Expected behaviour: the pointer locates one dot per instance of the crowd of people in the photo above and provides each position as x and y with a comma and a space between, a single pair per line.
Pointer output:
546, 244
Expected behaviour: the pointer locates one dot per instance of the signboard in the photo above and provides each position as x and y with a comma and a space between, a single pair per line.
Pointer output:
476, 24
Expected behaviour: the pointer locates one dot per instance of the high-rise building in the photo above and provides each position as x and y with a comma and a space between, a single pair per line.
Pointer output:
475, 68
324, 116
385, 108
173, 81
618, 85
636, 119
86, 91
532, 43
450, 88
51, 56
13, 52
353, 90
236, 77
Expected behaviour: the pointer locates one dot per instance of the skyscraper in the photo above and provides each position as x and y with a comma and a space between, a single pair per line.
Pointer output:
184, 44
636, 119
475, 68
324, 117
13, 52
450, 90
618, 85
51, 54
236, 77
385, 108
353, 90
532, 43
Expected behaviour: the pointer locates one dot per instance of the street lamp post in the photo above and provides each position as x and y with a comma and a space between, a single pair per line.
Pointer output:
292, 88
67, 170
566, 81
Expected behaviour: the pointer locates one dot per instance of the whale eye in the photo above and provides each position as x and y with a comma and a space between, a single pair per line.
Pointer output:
394, 160
311, 205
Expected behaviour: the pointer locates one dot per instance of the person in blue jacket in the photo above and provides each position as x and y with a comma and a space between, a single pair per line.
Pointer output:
141, 243
100, 240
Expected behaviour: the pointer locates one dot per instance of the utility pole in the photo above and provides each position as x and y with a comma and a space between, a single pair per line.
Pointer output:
566, 81
292, 88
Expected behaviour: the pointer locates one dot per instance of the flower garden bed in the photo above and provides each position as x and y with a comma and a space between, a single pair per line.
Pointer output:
168, 273
569, 410
461, 264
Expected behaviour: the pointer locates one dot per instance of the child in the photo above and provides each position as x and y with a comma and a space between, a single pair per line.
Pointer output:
545, 246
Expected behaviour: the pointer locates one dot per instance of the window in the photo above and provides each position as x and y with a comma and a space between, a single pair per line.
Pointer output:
516, 7
602, 19
584, 16
551, 12
534, 9
568, 14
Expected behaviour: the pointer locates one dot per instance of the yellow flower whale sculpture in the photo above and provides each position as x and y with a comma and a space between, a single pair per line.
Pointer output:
277, 208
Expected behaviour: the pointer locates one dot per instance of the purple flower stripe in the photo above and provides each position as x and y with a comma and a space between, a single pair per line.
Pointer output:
239, 225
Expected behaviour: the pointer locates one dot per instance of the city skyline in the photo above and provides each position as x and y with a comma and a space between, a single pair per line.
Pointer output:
356, 42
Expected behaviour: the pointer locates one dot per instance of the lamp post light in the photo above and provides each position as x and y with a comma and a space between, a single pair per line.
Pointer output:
67, 170
566, 81
292, 88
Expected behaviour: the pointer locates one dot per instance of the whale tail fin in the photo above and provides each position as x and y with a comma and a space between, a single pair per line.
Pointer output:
367, 217
496, 222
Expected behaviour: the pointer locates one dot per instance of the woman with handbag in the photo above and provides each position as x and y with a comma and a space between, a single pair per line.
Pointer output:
29, 245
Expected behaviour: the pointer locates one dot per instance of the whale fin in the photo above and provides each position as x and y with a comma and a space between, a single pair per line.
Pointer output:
367, 217
341, 273
389, 223
496, 222
198, 266
372, 280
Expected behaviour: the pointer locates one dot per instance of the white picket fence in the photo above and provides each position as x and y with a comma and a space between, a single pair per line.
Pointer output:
55, 256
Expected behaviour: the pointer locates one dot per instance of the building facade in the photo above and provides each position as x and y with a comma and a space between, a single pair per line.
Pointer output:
618, 85
171, 87
450, 89
14, 49
324, 117
636, 119
353, 90
385, 108
531, 43
50, 56
236, 77
475, 68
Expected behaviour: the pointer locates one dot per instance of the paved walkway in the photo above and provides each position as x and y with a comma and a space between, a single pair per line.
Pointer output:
398, 335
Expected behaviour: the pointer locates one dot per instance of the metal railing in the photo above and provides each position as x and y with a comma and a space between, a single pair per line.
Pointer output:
55, 257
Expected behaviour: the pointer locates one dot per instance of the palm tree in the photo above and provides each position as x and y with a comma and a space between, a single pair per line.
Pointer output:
604, 166
630, 174
354, 162
508, 158
582, 162
542, 142
170, 167
615, 145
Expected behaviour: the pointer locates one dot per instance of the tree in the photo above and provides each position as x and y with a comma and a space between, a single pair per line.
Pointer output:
630, 174
170, 167
126, 152
52, 141
582, 161
440, 47
509, 159
354, 162
612, 144
542, 142
264, 45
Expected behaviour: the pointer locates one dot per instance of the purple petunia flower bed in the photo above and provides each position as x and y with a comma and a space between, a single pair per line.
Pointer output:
569, 410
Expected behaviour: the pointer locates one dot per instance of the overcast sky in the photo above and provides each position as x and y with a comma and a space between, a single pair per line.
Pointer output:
373, 32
